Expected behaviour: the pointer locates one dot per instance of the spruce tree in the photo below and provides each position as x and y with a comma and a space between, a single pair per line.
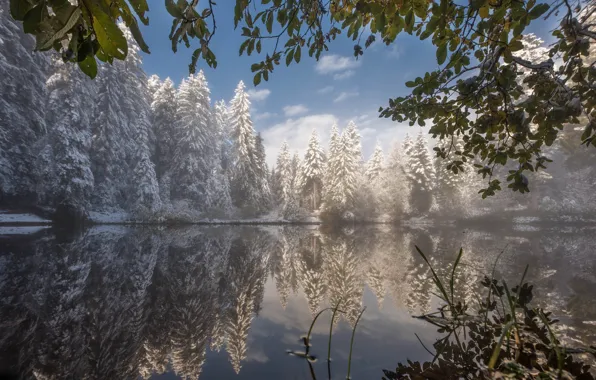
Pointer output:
343, 170
164, 110
247, 183
22, 100
313, 169
69, 182
284, 172
374, 166
193, 141
420, 173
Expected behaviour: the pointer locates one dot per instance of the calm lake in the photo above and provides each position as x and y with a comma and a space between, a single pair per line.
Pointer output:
228, 302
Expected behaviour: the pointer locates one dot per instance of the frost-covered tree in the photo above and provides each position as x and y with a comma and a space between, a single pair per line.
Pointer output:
420, 174
374, 166
123, 115
222, 123
262, 172
22, 99
194, 136
247, 182
164, 109
343, 168
313, 170
283, 170
67, 178
451, 180
393, 191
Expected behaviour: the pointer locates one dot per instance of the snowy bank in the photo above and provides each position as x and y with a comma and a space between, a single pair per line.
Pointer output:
16, 218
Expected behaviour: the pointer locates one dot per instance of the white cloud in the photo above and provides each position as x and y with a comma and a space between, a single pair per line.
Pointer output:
334, 63
258, 95
344, 95
297, 133
325, 90
344, 75
264, 115
297, 109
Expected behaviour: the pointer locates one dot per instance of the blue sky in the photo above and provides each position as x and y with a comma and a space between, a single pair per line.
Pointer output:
308, 95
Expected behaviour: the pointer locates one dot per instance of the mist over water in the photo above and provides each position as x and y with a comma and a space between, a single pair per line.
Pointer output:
227, 302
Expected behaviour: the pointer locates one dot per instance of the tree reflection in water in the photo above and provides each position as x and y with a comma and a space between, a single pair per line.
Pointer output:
121, 303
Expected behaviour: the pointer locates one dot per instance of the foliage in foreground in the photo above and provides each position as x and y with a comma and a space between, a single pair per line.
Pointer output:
476, 91
503, 337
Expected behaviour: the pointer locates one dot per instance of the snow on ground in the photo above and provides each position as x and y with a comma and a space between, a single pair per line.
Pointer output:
15, 218
21, 230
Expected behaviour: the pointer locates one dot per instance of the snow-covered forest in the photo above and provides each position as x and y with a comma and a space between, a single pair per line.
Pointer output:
118, 303
129, 144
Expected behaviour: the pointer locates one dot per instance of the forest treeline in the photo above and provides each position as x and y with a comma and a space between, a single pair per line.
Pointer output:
129, 143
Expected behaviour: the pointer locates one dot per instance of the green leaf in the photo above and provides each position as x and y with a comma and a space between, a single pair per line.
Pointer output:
32, 19
109, 35
538, 11
380, 22
173, 9
297, 54
483, 12
442, 53
410, 84
257, 79
89, 66
289, 57
518, 29
19, 8
140, 7
259, 46
516, 45
269, 23
410, 18
72, 20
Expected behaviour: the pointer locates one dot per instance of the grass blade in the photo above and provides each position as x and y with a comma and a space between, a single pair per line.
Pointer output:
352, 342
436, 279
497, 350
452, 280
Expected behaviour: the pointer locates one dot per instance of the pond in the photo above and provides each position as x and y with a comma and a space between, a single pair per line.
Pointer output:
229, 302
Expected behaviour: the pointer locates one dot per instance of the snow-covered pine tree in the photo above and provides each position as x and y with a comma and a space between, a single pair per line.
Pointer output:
296, 167
262, 172
194, 137
164, 109
393, 194
123, 114
144, 185
374, 166
108, 150
225, 143
313, 169
284, 172
450, 186
421, 175
343, 170
67, 179
154, 83
22, 99
246, 185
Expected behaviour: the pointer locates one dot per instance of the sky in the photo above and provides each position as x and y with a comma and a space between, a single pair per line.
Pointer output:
306, 96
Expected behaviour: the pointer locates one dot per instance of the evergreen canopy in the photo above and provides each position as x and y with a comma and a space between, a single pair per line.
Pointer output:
476, 92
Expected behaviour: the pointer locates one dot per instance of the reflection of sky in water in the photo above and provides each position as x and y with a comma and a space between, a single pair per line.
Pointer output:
163, 289
382, 337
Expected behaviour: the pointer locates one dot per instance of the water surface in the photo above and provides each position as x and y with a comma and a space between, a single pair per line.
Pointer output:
227, 302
